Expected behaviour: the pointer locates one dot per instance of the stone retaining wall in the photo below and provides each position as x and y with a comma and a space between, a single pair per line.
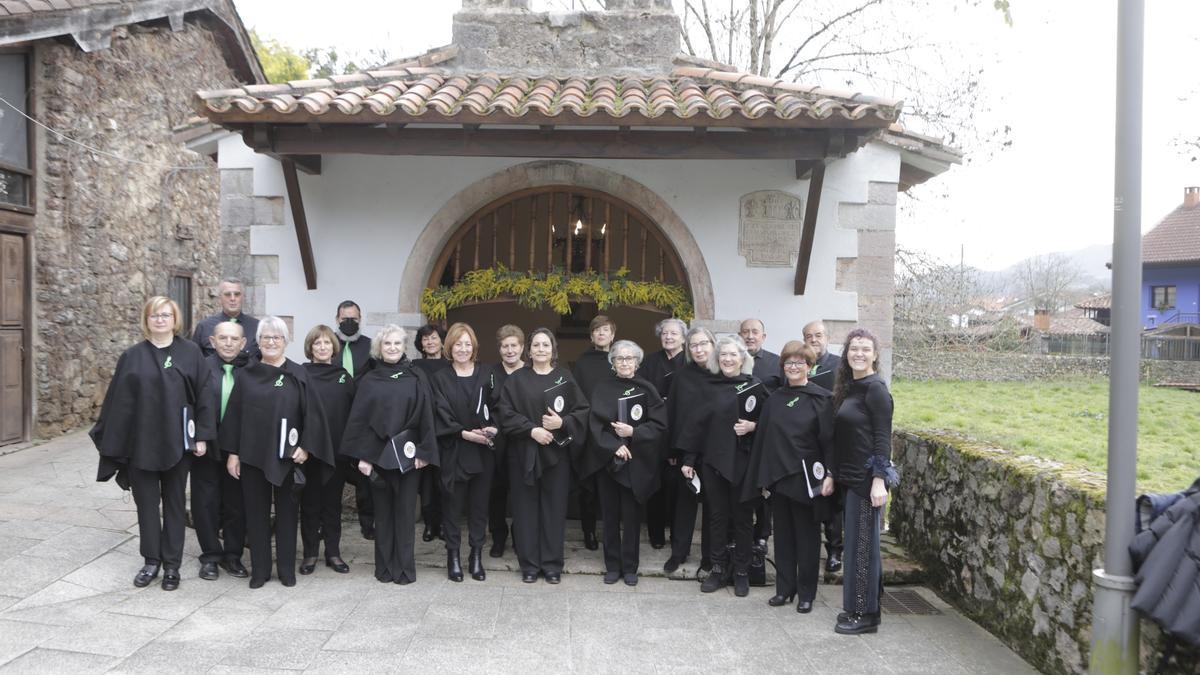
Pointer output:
1005, 367
1011, 541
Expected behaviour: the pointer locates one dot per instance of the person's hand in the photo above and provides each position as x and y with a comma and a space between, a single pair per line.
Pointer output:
743, 427
542, 436
364, 467
551, 420
201, 448
299, 456
623, 453
827, 486
879, 494
234, 466
623, 430
420, 463
490, 432
474, 437
687, 471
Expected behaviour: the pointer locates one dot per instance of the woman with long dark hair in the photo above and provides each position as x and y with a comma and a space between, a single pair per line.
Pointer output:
863, 445
429, 340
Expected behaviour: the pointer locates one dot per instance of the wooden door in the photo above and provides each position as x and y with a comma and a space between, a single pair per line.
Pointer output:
12, 338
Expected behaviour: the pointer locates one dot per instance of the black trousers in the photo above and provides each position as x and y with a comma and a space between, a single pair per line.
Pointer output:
862, 571
161, 536
469, 496
622, 524
395, 496
539, 516
833, 526
498, 497
683, 524
259, 494
363, 500
727, 512
762, 519
431, 497
218, 513
661, 506
797, 547
589, 504
321, 508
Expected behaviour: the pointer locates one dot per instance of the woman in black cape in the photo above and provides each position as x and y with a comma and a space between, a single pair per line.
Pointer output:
321, 503
792, 457
626, 423
391, 434
720, 449
465, 428
543, 413
429, 340
510, 343
154, 417
274, 424
658, 369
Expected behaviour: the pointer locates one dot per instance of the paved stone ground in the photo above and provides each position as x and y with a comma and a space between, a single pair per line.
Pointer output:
68, 552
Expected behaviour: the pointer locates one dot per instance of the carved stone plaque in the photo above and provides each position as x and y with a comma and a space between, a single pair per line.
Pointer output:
769, 228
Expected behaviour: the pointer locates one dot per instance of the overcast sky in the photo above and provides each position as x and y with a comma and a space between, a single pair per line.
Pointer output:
1053, 81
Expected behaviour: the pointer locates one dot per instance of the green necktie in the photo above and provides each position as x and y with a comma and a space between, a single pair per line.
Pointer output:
348, 359
226, 387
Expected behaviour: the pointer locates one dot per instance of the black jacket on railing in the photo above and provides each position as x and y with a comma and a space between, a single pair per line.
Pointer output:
1167, 557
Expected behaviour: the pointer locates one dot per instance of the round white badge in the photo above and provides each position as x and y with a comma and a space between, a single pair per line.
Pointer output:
636, 412
191, 428
559, 404
818, 471
410, 449
293, 437
751, 403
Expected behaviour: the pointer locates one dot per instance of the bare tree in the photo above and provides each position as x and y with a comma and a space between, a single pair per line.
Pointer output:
937, 306
1048, 281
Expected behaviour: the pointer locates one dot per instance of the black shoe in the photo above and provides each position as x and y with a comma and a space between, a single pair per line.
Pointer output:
428, 534
453, 566
258, 583
145, 575
706, 565
288, 581
529, 577
235, 568
475, 564
631, 579
170, 579
209, 571
857, 624
497, 549
368, 531
611, 578
780, 600
308, 565
741, 584
337, 564
834, 563
657, 541
404, 581
672, 564
553, 577
804, 607
589, 540
715, 580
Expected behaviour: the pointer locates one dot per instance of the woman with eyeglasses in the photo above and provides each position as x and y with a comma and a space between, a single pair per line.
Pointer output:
792, 458
153, 419
274, 424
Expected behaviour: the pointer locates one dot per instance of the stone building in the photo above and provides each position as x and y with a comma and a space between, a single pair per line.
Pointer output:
102, 206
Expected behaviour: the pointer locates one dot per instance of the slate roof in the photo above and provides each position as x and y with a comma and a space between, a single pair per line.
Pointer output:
1176, 238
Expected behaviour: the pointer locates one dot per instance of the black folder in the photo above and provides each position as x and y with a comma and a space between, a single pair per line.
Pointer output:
400, 452
558, 399
750, 401
631, 410
189, 430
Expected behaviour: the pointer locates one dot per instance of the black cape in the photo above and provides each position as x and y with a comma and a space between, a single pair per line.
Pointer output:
793, 446
456, 411
659, 370
641, 473
263, 396
768, 370
335, 387
430, 367
683, 414
708, 436
522, 404
390, 398
212, 395
141, 421
591, 368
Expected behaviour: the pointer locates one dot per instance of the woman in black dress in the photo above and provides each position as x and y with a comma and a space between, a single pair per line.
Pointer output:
510, 342
152, 420
626, 423
465, 431
274, 424
684, 421
542, 413
391, 434
793, 450
862, 439
321, 502
428, 341
732, 399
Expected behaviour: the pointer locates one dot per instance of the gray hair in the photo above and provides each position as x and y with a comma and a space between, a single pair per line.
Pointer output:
273, 323
625, 344
377, 341
658, 328
714, 360
234, 281
687, 340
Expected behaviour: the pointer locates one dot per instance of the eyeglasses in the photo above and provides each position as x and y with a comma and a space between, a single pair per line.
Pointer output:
698, 345
624, 359
270, 338
162, 317
795, 365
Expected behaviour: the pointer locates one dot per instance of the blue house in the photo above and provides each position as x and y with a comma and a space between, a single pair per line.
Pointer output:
1171, 266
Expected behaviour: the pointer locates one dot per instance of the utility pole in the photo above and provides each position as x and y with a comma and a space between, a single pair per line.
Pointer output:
1115, 633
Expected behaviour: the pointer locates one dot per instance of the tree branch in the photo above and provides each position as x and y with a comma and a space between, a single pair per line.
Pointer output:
822, 30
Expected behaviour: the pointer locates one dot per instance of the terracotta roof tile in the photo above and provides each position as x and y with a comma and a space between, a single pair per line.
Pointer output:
1176, 238
1098, 302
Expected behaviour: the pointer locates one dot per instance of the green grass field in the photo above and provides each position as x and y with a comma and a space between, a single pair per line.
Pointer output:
1065, 421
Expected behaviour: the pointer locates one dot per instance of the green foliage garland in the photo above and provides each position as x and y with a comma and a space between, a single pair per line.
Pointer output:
554, 290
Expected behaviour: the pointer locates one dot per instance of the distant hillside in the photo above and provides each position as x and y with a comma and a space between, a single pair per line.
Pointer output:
1090, 260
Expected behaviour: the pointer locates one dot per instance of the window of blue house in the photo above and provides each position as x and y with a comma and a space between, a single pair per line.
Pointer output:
1162, 297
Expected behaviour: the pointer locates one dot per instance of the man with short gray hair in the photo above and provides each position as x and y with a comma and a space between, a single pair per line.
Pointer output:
232, 293
766, 364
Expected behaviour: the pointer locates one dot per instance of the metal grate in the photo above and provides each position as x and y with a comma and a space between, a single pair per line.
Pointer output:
906, 602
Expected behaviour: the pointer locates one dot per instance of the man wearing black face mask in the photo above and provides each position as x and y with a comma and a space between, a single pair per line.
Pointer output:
356, 352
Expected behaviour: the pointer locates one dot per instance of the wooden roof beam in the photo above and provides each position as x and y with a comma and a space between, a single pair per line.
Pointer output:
292, 183
809, 229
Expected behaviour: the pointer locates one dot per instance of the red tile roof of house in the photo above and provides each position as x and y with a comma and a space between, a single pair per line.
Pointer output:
1176, 238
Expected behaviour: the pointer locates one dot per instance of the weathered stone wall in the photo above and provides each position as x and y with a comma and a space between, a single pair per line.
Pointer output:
1012, 541
110, 233
1007, 367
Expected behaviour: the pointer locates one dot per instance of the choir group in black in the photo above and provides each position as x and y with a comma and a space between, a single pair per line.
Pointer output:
757, 441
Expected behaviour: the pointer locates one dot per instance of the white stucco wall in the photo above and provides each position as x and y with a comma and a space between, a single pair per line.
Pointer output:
366, 212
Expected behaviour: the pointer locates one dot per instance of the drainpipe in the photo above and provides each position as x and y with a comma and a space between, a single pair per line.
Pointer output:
1114, 623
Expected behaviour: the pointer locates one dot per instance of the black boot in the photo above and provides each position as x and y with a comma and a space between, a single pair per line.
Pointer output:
741, 583
589, 540
475, 563
453, 566
716, 579
499, 539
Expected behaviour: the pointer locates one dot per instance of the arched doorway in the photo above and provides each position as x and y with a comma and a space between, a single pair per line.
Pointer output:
559, 227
